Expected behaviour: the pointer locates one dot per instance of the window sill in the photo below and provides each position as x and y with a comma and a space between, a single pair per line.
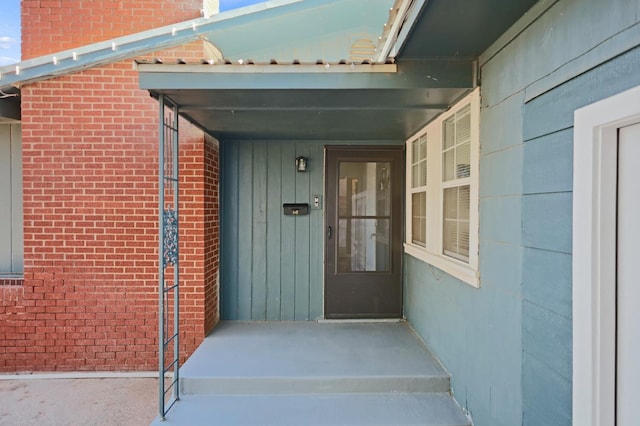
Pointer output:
11, 281
457, 269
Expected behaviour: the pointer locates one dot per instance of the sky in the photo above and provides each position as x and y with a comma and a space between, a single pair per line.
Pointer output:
10, 26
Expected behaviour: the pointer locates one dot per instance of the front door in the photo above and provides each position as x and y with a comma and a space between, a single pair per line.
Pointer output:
364, 204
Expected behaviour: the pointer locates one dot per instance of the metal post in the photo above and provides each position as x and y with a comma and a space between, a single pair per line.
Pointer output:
161, 236
176, 268
168, 201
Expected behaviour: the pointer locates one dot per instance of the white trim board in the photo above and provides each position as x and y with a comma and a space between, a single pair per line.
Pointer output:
82, 375
594, 254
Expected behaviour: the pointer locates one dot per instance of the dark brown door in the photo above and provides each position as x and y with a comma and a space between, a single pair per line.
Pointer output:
364, 202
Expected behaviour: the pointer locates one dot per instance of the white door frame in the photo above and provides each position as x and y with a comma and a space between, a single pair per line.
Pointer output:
594, 254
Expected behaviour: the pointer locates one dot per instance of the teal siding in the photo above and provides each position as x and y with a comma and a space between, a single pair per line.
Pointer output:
272, 265
508, 345
547, 396
477, 333
266, 255
547, 221
553, 112
274, 232
550, 163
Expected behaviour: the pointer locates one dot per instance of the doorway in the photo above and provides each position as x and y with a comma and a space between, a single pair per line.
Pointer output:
606, 322
363, 250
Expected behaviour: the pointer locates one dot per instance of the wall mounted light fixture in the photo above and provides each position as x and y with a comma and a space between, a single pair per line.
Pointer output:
301, 164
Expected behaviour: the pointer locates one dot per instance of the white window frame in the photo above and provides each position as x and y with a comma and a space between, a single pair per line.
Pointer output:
411, 189
594, 254
432, 253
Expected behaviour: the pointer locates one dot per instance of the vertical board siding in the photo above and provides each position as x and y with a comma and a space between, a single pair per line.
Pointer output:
302, 242
259, 225
273, 265
316, 233
229, 270
287, 248
245, 231
272, 262
274, 231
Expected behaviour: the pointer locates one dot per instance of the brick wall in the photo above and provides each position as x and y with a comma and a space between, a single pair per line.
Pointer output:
211, 232
54, 25
90, 184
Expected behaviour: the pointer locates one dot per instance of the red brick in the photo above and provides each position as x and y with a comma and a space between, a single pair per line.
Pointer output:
90, 193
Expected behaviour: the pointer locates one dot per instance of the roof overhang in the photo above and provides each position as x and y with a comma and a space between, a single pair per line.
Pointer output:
9, 105
435, 45
456, 28
314, 101
284, 29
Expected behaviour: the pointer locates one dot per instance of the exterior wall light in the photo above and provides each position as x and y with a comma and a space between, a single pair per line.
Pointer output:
301, 164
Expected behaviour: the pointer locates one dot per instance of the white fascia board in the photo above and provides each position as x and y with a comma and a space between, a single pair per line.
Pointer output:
401, 28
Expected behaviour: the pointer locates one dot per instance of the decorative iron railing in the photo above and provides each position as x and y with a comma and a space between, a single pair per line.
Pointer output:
169, 277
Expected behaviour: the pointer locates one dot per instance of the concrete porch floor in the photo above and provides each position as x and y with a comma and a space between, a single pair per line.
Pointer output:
314, 373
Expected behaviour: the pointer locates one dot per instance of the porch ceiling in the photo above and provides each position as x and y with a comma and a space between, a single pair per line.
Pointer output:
319, 102
459, 28
434, 56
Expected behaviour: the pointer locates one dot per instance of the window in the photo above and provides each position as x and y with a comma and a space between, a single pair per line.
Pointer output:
419, 191
11, 236
442, 191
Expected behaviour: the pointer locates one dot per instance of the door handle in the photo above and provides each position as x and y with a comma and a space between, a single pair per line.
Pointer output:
329, 232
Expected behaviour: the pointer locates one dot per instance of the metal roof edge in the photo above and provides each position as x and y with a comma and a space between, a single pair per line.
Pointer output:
408, 12
117, 49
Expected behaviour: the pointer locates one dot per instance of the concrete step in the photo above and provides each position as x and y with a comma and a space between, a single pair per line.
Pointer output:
314, 373
313, 385
286, 358
427, 409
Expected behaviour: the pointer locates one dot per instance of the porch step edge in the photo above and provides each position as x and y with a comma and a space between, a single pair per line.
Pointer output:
427, 409
313, 385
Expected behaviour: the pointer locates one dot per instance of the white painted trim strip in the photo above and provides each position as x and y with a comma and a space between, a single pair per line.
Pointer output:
82, 375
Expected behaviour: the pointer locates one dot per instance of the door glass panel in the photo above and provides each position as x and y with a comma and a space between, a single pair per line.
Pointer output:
364, 245
364, 189
364, 209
